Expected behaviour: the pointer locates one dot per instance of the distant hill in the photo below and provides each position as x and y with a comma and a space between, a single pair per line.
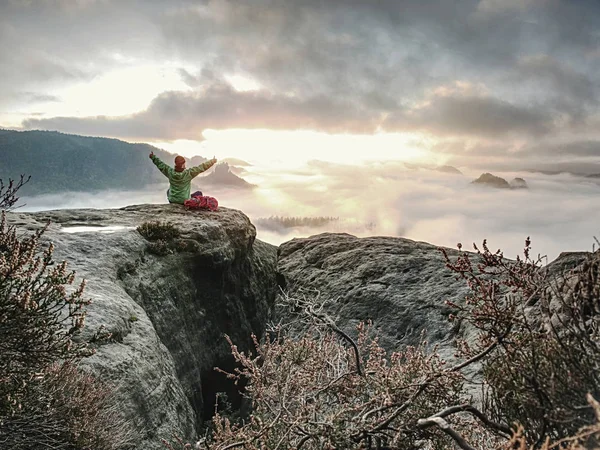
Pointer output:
487, 179
60, 162
445, 169
518, 183
547, 172
236, 162
193, 161
223, 176
449, 169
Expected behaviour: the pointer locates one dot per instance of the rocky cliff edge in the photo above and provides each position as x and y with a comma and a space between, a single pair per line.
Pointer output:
167, 314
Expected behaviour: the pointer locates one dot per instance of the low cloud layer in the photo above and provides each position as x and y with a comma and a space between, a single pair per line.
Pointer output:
559, 212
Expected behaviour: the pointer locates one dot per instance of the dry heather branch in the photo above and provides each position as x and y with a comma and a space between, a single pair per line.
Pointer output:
313, 309
548, 337
308, 393
39, 319
8, 192
65, 408
446, 428
325, 389
586, 438
44, 404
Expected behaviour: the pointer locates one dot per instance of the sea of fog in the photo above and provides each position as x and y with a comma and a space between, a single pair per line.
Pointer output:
559, 212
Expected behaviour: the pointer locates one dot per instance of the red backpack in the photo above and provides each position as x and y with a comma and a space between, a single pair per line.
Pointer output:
202, 202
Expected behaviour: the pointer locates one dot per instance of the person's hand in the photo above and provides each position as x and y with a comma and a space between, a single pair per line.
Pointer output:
151, 155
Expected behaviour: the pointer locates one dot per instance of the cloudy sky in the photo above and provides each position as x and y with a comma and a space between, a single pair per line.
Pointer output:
502, 84
336, 103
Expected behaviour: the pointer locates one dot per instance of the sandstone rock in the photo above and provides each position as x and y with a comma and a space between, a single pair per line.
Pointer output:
168, 313
572, 282
399, 284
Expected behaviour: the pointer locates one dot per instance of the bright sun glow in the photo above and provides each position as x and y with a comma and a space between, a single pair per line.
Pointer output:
120, 92
242, 84
290, 148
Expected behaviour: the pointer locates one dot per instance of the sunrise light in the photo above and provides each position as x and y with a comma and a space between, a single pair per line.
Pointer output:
293, 147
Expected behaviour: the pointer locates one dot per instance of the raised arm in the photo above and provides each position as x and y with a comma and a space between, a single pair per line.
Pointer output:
165, 169
195, 171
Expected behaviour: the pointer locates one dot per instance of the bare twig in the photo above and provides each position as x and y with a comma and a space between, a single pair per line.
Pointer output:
315, 311
446, 428
471, 409
475, 358
8, 192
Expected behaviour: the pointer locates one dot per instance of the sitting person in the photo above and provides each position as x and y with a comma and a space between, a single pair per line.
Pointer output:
180, 178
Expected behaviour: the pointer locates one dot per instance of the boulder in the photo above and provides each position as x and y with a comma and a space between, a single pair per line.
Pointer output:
399, 284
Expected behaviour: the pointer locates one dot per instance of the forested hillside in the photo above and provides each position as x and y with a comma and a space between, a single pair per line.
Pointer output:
62, 162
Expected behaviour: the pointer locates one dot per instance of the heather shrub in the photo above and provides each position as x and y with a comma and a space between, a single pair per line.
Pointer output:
544, 338
588, 437
8, 192
160, 247
157, 230
308, 392
45, 400
324, 390
315, 387
64, 407
39, 319
164, 239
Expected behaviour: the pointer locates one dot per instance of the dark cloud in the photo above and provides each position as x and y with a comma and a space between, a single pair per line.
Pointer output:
36, 97
574, 156
557, 86
557, 78
29, 97
203, 77
189, 79
389, 53
182, 115
411, 42
585, 148
48, 44
334, 66
471, 115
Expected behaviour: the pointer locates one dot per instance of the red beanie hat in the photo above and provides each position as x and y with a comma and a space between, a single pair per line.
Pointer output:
179, 163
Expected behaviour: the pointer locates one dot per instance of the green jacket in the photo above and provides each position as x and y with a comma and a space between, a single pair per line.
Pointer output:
181, 182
